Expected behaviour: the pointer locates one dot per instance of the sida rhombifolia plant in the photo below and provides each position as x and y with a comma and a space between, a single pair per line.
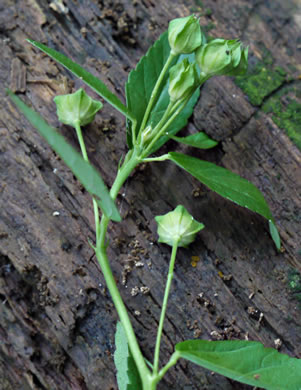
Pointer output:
160, 95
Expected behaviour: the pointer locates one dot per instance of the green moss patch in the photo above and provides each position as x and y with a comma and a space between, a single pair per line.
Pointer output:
286, 111
267, 85
261, 79
294, 284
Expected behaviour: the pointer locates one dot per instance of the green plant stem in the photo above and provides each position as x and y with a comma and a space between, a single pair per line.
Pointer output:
156, 90
134, 125
153, 159
164, 306
168, 112
123, 173
121, 309
172, 361
85, 157
176, 109
158, 126
149, 380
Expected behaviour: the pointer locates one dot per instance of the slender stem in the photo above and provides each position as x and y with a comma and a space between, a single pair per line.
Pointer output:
124, 172
156, 90
81, 140
160, 158
169, 110
102, 258
134, 125
157, 128
164, 306
122, 312
85, 157
172, 361
177, 108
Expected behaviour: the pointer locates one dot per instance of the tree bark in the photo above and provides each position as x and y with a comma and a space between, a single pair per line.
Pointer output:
57, 319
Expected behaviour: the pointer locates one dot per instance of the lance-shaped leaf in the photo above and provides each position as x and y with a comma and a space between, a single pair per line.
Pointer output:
199, 140
84, 171
127, 374
227, 184
93, 82
245, 361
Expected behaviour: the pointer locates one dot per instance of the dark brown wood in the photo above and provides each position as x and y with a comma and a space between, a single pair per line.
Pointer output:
57, 320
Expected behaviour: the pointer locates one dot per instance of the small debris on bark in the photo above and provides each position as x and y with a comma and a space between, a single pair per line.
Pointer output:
18, 76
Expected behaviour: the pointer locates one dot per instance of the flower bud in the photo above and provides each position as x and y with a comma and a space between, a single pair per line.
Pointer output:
76, 107
222, 57
184, 35
177, 226
183, 80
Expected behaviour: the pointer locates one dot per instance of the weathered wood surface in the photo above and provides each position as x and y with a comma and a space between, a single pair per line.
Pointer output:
57, 320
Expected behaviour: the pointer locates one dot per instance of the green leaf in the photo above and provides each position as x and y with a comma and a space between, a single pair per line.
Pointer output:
127, 374
199, 140
142, 79
84, 171
226, 183
274, 234
245, 361
93, 82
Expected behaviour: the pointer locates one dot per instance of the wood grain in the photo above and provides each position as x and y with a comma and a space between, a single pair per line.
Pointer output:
57, 321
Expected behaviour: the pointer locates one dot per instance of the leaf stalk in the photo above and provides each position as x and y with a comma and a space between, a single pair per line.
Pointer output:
85, 157
164, 305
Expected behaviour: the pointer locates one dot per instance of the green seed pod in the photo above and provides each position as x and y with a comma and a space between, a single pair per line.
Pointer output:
183, 80
222, 57
76, 107
177, 226
184, 35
